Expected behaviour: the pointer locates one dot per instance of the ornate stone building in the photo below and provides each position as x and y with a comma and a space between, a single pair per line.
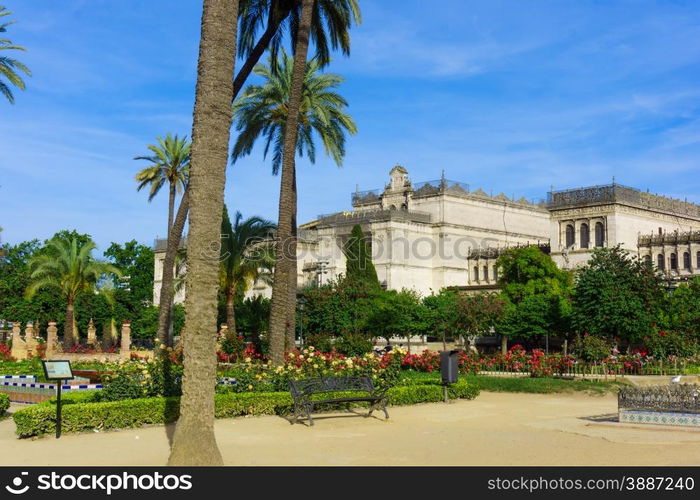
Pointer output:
436, 234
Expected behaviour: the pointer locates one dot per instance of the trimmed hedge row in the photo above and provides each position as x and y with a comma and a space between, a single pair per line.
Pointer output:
4, 403
79, 415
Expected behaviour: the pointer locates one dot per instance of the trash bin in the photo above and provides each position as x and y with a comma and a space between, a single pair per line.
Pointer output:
449, 365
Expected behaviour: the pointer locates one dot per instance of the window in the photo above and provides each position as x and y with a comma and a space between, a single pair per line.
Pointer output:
660, 262
599, 234
569, 236
674, 261
686, 260
697, 260
495, 273
476, 273
585, 235
486, 273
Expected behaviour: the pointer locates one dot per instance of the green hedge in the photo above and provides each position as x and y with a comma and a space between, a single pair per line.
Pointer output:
81, 415
4, 403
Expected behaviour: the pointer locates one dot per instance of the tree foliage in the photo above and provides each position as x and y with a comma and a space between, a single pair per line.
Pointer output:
536, 294
358, 259
617, 295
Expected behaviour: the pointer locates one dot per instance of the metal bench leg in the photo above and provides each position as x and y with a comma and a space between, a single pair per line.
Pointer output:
308, 414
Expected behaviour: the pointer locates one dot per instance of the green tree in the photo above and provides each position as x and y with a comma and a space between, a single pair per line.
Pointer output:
683, 314
170, 164
133, 293
9, 66
442, 315
358, 258
194, 442
536, 293
70, 268
617, 295
246, 256
398, 314
480, 313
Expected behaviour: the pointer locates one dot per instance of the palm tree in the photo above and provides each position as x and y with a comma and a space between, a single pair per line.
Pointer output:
332, 20
8, 65
170, 163
262, 110
282, 316
245, 257
71, 268
194, 442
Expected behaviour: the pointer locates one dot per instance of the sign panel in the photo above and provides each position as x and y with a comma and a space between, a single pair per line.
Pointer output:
58, 370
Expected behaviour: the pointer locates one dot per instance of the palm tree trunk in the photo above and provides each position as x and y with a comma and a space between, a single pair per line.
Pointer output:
68, 327
171, 207
230, 312
194, 442
284, 258
167, 287
292, 285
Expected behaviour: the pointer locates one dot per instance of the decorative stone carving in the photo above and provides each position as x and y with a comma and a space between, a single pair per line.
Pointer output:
91, 333
19, 346
52, 346
125, 349
30, 339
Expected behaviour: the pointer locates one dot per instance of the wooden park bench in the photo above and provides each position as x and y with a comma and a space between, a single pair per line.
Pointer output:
357, 389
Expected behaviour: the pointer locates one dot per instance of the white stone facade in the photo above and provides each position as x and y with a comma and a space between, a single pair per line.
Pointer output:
431, 235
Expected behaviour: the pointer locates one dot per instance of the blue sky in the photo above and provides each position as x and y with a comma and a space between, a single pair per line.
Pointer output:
508, 96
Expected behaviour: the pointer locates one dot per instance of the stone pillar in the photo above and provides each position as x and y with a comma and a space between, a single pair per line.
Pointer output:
223, 333
19, 347
30, 339
51, 340
91, 333
125, 350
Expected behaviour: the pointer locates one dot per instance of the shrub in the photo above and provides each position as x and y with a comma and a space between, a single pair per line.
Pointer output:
591, 348
122, 386
4, 403
663, 344
81, 415
353, 345
5, 352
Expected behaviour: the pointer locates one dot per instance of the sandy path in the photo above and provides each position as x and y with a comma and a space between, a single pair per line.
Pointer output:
494, 429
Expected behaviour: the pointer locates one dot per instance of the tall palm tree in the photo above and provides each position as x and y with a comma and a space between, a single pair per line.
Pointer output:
9, 65
245, 257
262, 111
333, 19
194, 442
170, 163
71, 268
284, 286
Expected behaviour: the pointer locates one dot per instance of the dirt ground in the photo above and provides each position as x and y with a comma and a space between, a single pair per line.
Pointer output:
494, 429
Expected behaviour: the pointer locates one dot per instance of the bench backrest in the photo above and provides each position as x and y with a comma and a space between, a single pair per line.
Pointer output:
330, 384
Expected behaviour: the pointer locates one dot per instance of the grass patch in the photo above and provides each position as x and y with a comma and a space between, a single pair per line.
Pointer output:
543, 385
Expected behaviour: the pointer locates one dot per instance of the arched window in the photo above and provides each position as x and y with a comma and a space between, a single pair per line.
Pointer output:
486, 273
647, 258
674, 262
476, 273
495, 273
585, 235
697, 260
686, 260
660, 262
569, 236
599, 234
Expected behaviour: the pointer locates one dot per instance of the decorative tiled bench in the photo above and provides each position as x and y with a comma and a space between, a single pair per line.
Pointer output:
25, 388
675, 404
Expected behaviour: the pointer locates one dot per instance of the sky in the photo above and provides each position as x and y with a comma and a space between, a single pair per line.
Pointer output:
509, 96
